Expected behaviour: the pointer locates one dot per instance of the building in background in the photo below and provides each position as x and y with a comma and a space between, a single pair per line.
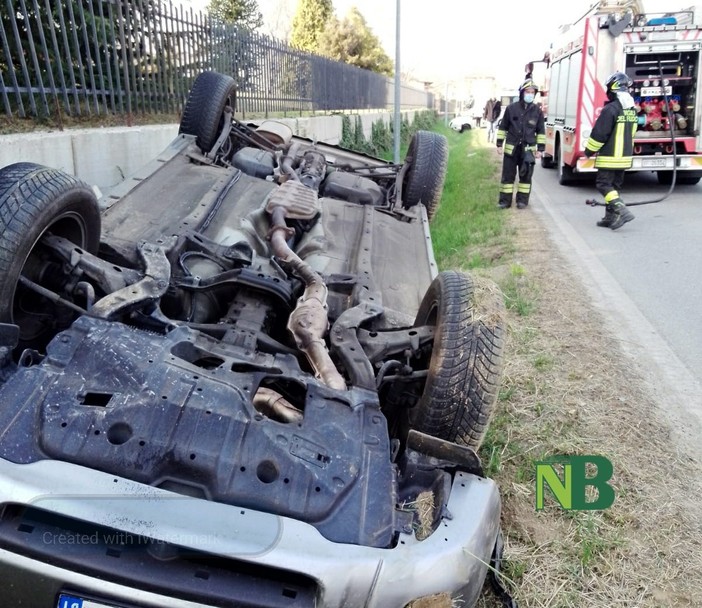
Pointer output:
466, 95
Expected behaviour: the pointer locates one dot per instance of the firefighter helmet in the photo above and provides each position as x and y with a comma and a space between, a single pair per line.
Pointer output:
618, 82
527, 84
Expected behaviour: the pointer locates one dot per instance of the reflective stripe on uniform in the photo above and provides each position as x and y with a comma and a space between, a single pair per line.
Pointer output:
593, 144
610, 196
524, 188
613, 162
507, 188
509, 148
501, 134
619, 140
540, 139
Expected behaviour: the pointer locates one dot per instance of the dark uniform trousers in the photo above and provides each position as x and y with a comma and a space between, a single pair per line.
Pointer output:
521, 161
609, 182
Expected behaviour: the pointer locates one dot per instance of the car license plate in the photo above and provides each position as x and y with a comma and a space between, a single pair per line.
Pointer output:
654, 91
73, 601
653, 162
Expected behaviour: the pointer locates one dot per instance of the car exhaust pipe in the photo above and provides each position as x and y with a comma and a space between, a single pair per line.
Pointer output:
275, 406
309, 322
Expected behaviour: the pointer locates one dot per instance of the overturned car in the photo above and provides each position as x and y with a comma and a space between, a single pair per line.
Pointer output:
239, 379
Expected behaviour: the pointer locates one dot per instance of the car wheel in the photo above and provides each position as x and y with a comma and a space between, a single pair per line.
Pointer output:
465, 128
34, 201
427, 157
466, 361
203, 115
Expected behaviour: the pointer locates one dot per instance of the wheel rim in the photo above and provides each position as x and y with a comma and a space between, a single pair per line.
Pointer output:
230, 101
29, 310
431, 319
411, 152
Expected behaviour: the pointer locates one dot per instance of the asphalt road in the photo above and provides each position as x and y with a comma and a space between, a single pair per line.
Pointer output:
645, 277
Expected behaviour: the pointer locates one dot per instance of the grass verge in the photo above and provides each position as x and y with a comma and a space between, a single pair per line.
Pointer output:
468, 230
568, 390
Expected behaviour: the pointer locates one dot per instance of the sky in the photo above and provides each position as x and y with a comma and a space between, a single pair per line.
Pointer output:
446, 40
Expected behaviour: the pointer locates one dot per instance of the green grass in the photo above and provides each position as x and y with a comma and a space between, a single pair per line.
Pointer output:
547, 405
469, 231
543, 362
519, 295
519, 290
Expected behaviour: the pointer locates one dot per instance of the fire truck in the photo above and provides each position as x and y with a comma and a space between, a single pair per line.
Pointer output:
661, 54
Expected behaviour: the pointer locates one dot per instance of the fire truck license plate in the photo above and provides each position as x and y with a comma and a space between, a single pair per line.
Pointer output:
653, 162
653, 91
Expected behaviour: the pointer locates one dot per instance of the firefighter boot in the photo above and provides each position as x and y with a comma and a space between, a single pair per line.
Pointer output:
621, 215
609, 215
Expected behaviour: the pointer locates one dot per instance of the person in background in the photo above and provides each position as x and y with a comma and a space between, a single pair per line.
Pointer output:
522, 132
612, 140
491, 114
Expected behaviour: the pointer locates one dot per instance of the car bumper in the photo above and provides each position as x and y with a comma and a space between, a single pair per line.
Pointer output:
41, 564
685, 163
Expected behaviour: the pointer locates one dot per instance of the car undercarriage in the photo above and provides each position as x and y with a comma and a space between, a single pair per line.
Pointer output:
254, 323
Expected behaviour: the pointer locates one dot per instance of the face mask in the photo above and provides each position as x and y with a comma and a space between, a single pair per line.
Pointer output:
528, 97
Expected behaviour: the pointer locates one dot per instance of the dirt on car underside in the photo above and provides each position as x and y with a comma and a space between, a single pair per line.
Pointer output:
224, 206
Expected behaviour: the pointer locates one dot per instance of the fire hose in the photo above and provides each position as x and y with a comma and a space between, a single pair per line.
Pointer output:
595, 203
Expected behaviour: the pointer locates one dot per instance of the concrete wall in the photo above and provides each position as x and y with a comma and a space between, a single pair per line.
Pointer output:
101, 157
104, 157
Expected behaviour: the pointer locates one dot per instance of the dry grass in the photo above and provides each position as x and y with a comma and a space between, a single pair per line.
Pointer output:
440, 600
488, 303
568, 390
59, 122
424, 506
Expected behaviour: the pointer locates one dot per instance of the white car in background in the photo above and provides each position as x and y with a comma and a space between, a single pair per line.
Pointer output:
462, 123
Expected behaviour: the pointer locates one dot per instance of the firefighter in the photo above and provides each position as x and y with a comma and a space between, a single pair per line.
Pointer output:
522, 132
612, 139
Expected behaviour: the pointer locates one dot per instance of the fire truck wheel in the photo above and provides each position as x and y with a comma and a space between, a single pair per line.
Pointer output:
566, 176
666, 178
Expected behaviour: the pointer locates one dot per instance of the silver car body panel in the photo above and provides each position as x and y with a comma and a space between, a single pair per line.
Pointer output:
448, 561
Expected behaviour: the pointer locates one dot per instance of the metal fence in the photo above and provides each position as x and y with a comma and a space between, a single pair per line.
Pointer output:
93, 57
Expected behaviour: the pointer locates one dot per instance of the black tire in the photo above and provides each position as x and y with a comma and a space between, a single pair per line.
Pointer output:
665, 178
35, 200
466, 361
547, 161
465, 128
203, 115
424, 181
566, 177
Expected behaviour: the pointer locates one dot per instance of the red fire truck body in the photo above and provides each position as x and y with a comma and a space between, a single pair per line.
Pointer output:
661, 54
